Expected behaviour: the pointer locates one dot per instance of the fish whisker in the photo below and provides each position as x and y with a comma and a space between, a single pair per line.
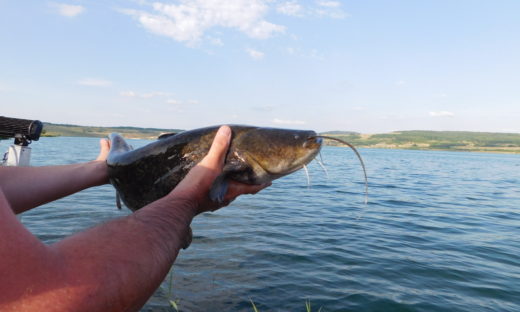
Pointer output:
322, 165
307, 174
358, 156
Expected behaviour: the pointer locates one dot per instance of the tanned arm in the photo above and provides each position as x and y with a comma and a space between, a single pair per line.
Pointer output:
112, 267
29, 187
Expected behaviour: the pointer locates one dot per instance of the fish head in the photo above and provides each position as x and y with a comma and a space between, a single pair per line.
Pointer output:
261, 155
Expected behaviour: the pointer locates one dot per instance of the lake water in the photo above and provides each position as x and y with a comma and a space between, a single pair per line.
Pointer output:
441, 232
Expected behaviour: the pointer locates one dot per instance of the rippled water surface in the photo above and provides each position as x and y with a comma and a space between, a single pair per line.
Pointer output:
441, 232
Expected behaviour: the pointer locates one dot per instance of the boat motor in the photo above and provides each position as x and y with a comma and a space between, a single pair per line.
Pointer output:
23, 131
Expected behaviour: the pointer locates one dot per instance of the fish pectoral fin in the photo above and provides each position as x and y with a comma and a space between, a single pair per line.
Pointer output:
118, 200
219, 189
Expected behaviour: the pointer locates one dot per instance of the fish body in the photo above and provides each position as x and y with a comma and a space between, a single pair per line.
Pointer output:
256, 155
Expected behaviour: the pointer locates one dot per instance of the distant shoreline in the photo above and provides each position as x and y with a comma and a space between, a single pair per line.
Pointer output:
462, 141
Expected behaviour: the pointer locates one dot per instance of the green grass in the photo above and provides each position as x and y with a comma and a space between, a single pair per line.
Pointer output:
308, 307
254, 306
174, 303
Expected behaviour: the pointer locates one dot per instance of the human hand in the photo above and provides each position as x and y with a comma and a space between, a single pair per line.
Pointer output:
195, 187
100, 164
104, 148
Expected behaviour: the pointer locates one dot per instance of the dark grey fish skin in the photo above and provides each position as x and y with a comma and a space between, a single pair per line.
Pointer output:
256, 156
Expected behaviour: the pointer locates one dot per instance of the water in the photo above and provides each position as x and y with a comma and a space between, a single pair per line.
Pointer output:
441, 232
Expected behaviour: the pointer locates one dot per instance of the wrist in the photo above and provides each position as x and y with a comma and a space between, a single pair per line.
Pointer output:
99, 172
172, 213
185, 210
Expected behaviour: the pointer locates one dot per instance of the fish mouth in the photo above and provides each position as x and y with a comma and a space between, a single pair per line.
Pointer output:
313, 142
311, 147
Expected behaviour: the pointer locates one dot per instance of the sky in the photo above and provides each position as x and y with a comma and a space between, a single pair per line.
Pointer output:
364, 66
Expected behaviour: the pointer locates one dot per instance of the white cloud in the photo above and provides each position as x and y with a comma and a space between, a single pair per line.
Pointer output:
329, 4
128, 93
68, 10
328, 9
155, 94
442, 114
178, 106
257, 55
288, 122
331, 9
148, 95
291, 8
311, 54
190, 19
94, 82
172, 102
400, 83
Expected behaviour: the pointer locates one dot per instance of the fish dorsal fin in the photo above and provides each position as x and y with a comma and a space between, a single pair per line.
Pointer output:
118, 146
166, 135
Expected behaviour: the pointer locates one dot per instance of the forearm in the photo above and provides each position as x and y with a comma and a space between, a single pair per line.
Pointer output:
132, 255
115, 266
28, 187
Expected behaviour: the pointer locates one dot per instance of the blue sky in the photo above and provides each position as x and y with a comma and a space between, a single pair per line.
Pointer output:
366, 66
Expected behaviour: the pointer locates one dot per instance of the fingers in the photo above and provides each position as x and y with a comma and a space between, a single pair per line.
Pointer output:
104, 149
236, 189
217, 152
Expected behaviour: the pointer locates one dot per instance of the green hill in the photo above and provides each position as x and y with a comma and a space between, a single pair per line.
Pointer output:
418, 140
438, 140
338, 132
50, 129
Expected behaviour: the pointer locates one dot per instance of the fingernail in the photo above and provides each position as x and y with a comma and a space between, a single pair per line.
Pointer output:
224, 130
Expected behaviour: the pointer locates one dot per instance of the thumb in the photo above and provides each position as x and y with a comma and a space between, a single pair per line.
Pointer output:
217, 153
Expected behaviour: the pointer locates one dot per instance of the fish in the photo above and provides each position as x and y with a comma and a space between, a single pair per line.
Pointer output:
256, 155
